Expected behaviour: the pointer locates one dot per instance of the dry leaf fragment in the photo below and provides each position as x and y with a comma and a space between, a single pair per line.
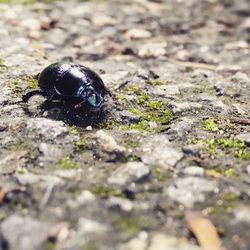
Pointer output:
213, 173
204, 231
241, 121
58, 234
2, 195
195, 65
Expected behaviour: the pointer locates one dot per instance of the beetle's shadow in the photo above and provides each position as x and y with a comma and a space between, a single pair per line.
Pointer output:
56, 111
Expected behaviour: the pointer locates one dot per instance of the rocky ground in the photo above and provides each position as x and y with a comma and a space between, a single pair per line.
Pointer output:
175, 138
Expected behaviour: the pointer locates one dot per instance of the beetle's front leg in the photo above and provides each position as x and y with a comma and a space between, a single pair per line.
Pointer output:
45, 105
26, 97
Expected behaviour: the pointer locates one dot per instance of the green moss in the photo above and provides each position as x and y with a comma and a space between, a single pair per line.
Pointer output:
73, 131
227, 143
141, 126
230, 198
3, 67
153, 111
234, 146
50, 246
3, 215
161, 174
142, 98
90, 246
155, 82
210, 125
67, 163
132, 142
110, 124
80, 146
133, 158
148, 109
211, 146
32, 83
129, 225
15, 86
105, 192
229, 201
230, 146
133, 89
242, 154
19, 146
229, 172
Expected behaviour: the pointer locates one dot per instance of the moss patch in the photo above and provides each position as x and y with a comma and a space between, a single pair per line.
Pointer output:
32, 83
128, 224
67, 163
229, 146
227, 203
73, 130
210, 125
152, 111
155, 82
105, 192
19, 146
109, 124
2, 66
161, 174
80, 146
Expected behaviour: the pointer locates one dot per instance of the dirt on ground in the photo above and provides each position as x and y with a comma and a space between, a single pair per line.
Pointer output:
168, 164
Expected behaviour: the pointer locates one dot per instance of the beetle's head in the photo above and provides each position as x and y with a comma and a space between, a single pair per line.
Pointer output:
94, 101
91, 99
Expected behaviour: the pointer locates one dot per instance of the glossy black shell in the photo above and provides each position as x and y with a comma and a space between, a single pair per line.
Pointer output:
69, 80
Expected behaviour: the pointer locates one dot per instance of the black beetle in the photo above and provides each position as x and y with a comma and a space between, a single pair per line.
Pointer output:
80, 89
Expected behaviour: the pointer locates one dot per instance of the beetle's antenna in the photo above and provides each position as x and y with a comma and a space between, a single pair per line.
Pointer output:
79, 105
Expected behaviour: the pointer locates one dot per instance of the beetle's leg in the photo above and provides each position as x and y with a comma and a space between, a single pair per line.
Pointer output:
45, 105
108, 92
27, 96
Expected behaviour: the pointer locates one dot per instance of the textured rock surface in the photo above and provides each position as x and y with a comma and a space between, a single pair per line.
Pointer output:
158, 151
31, 236
173, 136
190, 190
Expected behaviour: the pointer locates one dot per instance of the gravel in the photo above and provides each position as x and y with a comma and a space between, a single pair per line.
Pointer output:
173, 135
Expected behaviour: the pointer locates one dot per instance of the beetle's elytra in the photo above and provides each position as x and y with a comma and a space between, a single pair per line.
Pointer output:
80, 90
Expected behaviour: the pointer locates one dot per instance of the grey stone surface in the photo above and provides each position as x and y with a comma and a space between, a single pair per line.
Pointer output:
29, 179
185, 106
50, 152
42, 127
248, 169
193, 149
87, 226
242, 214
167, 90
245, 138
161, 241
120, 203
193, 171
32, 235
158, 151
127, 173
172, 72
107, 143
191, 190
181, 127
